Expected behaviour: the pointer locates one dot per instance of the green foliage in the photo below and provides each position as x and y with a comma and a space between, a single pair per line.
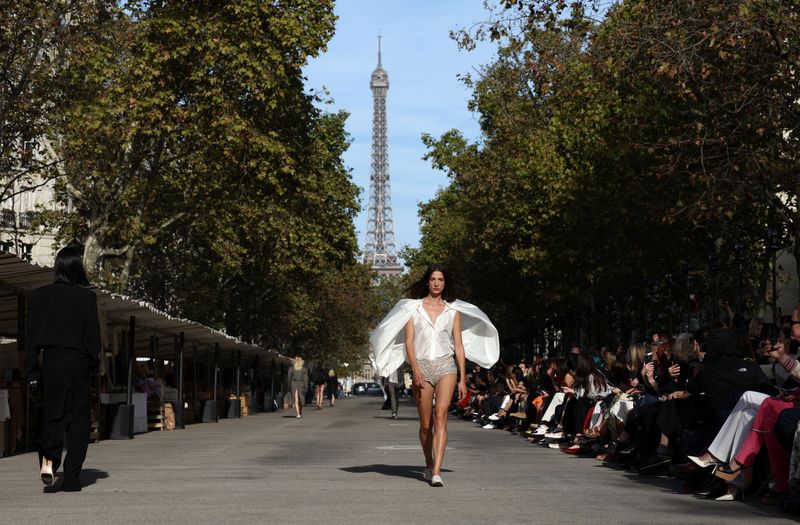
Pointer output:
618, 156
199, 174
37, 39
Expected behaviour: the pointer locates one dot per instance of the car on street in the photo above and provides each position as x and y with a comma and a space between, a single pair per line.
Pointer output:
367, 389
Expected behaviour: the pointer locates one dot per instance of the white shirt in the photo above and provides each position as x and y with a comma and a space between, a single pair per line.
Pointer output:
433, 340
594, 392
388, 340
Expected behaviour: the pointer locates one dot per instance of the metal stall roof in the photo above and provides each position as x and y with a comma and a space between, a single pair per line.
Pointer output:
18, 276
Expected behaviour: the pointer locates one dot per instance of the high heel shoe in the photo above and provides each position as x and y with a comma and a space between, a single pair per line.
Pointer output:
712, 488
702, 463
729, 474
737, 494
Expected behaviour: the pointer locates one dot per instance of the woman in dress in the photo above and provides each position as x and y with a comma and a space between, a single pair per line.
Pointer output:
333, 386
63, 326
319, 386
298, 382
435, 333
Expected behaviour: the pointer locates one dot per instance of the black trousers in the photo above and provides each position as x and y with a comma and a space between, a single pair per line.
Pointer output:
491, 404
786, 427
394, 395
66, 409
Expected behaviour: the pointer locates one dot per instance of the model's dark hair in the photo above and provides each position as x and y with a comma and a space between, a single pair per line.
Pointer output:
419, 289
69, 267
585, 369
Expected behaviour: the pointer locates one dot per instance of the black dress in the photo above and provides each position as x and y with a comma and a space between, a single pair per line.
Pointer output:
319, 377
333, 386
63, 323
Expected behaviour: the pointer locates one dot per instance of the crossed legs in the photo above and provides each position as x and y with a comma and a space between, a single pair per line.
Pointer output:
433, 419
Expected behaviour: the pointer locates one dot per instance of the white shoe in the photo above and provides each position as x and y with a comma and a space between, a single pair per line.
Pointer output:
298, 417
540, 430
703, 463
494, 417
426, 474
737, 494
554, 435
489, 426
46, 472
436, 481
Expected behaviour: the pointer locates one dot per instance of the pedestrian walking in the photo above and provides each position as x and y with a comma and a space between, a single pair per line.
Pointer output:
298, 382
63, 327
319, 386
392, 386
333, 386
427, 330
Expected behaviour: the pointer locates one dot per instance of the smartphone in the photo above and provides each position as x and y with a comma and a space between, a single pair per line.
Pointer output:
648, 357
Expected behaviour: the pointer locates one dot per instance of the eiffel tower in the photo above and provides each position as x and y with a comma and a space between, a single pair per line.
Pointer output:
379, 249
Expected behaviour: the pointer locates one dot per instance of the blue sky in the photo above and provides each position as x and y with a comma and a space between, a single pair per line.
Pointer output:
425, 95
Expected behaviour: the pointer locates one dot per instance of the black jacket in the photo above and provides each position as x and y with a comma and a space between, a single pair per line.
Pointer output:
62, 315
725, 378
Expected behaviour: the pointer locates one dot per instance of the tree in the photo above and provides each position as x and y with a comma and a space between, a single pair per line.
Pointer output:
200, 175
37, 40
580, 204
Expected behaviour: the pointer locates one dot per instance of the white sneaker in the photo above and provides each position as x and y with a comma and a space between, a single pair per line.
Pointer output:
426, 474
489, 426
494, 417
555, 435
540, 431
436, 481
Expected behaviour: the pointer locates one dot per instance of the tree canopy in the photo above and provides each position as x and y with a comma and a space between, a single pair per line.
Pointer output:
199, 173
629, 158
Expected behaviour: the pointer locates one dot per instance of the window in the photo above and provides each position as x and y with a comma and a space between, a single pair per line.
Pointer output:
7, 218
26, 219
28, 150
26, 252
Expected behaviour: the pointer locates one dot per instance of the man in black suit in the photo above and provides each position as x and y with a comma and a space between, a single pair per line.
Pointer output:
63, 325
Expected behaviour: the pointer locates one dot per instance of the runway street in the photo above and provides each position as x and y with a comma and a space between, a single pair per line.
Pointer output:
350, 465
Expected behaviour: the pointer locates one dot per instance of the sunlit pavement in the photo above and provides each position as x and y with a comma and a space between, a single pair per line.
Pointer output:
348, 464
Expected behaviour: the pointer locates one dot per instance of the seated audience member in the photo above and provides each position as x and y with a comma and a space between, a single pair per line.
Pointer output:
590, 386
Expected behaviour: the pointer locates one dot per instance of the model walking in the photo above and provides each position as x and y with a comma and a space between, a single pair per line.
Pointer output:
427, 331
63, 326
298, 382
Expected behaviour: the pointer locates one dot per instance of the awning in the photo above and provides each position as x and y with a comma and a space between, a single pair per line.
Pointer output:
20, 277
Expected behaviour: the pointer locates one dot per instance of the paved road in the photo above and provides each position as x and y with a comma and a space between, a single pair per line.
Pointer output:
349, 465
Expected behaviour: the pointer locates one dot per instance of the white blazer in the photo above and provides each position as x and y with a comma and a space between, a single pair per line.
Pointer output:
388, 341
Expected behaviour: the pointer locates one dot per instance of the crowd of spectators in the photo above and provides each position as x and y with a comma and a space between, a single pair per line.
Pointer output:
718, 408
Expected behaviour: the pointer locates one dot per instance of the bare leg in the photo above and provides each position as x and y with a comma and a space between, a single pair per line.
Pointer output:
444, 394
297, 406
424, 397
319, 395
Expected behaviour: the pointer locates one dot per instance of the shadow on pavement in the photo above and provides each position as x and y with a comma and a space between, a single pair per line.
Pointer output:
400, 471
89, 476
